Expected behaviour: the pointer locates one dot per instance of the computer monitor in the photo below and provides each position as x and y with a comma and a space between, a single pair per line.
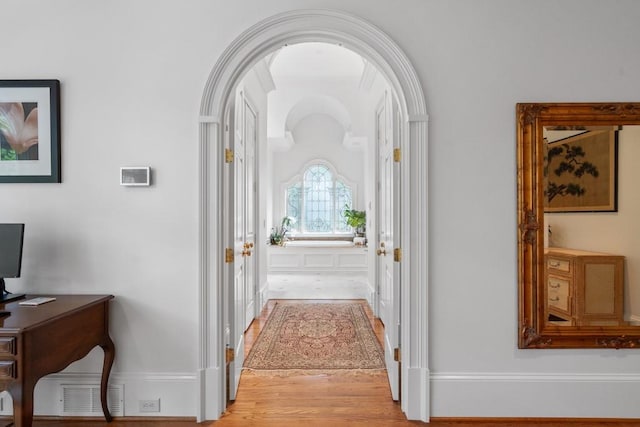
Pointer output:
11, 238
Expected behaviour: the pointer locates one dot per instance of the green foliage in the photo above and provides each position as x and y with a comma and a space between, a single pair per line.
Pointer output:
8, 154
355, 219
278, 233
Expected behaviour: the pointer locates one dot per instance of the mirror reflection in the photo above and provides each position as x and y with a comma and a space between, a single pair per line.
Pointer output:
591, 225
578, 211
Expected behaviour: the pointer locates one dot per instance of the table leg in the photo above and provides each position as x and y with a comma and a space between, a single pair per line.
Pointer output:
22, 396
109, 355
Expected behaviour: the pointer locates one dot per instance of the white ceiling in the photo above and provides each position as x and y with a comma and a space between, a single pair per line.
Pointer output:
314, 78
315, 60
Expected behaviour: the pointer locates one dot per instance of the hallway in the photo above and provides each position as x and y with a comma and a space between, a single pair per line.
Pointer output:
345, 399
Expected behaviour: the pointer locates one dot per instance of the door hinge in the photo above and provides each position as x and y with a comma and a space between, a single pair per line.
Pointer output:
228, 255
396, 354
230, 355
397, 254
397, 154
228, 155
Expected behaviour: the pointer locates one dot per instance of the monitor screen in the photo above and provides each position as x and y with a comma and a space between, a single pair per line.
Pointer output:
11, 237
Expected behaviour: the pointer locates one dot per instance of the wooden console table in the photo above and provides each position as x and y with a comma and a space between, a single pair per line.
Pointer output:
39, 340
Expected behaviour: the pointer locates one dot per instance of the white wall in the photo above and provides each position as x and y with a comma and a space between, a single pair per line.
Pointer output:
132, 75
611, 232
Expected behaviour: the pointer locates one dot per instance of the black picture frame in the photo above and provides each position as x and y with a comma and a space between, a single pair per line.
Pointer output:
30, 131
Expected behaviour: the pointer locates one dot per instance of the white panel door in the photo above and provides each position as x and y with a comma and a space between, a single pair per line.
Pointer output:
388, 271
237, 205
250, 126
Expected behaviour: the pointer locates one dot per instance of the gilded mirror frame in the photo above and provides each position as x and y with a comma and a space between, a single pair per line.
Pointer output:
533, 329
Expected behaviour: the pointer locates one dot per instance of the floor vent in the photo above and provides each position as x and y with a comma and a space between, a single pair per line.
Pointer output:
84, 400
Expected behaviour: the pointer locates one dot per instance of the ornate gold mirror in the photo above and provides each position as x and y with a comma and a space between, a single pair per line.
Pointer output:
579, 225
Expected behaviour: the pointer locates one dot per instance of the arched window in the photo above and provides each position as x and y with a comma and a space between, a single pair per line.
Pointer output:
317, 201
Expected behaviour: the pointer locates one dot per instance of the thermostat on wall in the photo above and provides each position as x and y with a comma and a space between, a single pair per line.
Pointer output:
135, 176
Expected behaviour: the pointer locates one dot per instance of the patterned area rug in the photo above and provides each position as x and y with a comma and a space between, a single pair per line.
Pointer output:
316, 336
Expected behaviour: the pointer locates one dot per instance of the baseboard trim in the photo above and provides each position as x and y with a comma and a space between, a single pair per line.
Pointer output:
534, 377
126, 418
530, 420
550, 395
176, 391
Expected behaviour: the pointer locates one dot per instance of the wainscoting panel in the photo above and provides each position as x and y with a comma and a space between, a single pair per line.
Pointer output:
301, 259
352, 260
317, 261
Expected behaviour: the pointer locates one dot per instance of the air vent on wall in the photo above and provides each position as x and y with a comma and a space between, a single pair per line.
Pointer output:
84, 399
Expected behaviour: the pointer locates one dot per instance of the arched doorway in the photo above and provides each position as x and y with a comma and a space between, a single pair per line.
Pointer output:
380, 50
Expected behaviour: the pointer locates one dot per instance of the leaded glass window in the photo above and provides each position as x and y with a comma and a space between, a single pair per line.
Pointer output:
343, 197
294, 203
317, 202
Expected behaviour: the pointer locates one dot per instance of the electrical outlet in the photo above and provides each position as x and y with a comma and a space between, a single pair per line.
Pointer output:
149, 405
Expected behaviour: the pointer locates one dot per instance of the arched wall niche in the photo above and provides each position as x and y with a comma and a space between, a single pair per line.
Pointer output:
376, 47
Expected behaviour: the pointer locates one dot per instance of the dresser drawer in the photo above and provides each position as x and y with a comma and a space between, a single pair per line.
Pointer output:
7, 346
559, 264
558, 293
8, 370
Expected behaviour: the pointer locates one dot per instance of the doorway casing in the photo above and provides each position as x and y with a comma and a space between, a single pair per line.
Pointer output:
376, 47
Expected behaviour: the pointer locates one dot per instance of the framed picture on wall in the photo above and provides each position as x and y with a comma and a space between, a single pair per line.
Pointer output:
581, 170
30, 131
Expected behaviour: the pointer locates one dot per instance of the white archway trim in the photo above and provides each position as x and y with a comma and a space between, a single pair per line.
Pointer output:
377, 48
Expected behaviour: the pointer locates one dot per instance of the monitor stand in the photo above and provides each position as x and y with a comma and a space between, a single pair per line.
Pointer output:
6, 296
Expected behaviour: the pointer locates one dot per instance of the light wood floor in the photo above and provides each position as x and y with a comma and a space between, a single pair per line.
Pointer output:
350, 398
342, 400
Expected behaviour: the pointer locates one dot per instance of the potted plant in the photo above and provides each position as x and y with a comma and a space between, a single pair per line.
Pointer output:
277, 235
356, 219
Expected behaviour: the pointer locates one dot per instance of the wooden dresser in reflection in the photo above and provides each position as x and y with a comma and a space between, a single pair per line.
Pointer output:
583, 288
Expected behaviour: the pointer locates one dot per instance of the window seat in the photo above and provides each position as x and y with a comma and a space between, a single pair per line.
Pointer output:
317, 256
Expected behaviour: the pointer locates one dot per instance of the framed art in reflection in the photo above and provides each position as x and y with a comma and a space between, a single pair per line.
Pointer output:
581, 171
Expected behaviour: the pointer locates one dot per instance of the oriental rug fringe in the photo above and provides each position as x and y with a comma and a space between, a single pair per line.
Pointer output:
316, 337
